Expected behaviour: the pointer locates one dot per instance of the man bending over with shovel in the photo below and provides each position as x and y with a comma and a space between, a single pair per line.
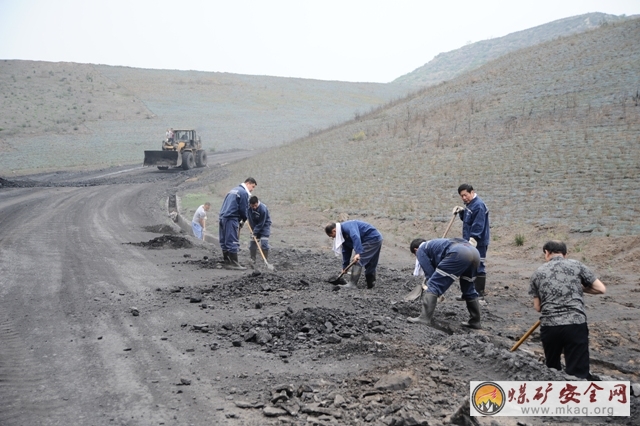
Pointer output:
365, 240
442, 261
260, 223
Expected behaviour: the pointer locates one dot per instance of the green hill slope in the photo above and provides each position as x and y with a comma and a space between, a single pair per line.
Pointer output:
547, 135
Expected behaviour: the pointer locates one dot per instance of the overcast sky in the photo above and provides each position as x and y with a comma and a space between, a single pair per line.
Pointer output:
348, 40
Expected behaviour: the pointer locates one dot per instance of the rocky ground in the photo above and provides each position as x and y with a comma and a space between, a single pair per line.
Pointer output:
258, 347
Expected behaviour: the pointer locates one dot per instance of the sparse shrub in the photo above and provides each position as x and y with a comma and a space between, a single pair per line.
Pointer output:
360, 136
519, 240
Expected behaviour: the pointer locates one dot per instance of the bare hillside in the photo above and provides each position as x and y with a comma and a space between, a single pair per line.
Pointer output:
449, 65
63, 115
549, 136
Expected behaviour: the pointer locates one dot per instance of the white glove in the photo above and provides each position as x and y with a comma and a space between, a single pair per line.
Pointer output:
473, 241
457, 209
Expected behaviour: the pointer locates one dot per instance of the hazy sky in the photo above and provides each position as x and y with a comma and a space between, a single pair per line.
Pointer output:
349, 40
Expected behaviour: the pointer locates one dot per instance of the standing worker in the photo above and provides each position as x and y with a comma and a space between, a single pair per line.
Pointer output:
260, 222
233, 214
365, 240
475, 229
557, 288
199, 221
442, 261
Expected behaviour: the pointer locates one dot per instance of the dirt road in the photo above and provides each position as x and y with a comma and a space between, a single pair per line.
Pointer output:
99, 328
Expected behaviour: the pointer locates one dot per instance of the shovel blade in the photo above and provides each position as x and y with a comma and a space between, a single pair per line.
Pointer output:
414, 294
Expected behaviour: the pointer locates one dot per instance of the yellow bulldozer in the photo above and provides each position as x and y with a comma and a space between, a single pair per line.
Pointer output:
182, 148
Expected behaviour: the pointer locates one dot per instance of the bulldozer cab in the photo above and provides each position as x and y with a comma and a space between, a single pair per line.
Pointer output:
185, 136
184, 149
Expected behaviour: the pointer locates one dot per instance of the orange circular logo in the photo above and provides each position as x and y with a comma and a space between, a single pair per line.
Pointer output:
488, 398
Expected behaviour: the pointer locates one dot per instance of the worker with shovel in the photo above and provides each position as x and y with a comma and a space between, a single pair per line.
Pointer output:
233, 213
443, 260
475, 229
260, 224
198, 223
365, 240
557, 288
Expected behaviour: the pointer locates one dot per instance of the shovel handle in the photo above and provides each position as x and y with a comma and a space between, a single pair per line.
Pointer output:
346, 269
256, 241
446, 231
527, 334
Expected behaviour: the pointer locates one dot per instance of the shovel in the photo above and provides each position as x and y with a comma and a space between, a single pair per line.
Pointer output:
527, 334
269, 266
338, 279
417, 290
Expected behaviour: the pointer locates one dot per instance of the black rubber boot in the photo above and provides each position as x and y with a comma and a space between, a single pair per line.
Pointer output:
479, 283
253, 250
234, 264
356, 271
429, 302
266, 254
225, 258
473, 306
371, 280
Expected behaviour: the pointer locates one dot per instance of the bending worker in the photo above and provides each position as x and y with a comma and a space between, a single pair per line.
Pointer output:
442, 261
365, 240
260, 222
199, 221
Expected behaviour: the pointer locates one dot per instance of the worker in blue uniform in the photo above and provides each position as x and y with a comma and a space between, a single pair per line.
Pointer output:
442, 261
260, 222
363, 239
233, 214
475, 229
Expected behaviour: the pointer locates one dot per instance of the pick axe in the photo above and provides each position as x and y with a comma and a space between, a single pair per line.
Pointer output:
417, 290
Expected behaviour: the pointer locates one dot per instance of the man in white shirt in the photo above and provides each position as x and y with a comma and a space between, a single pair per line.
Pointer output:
199, 220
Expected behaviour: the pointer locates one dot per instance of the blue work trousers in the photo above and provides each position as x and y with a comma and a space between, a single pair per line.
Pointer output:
369, 257
228, 230
264, 244
483, 258
461, 262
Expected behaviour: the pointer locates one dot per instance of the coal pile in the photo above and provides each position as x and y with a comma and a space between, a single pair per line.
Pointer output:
166, 241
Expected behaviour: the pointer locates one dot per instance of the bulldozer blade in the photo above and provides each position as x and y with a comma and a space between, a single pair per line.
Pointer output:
162, 158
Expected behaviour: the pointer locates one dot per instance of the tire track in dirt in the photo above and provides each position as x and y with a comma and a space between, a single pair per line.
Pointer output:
20, 375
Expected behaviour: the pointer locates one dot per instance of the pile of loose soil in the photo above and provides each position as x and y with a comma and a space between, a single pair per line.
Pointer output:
166, 241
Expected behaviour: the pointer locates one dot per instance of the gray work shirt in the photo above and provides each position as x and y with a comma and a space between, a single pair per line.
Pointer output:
559, 284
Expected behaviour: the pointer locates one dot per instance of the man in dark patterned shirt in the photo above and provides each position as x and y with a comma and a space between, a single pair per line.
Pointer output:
557, 288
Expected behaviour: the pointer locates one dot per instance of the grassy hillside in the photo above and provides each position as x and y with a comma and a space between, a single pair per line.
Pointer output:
62, 115
447, 66
548, 135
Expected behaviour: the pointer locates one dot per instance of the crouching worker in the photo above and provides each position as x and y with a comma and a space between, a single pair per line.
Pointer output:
260, 223
443, 261
365, 240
